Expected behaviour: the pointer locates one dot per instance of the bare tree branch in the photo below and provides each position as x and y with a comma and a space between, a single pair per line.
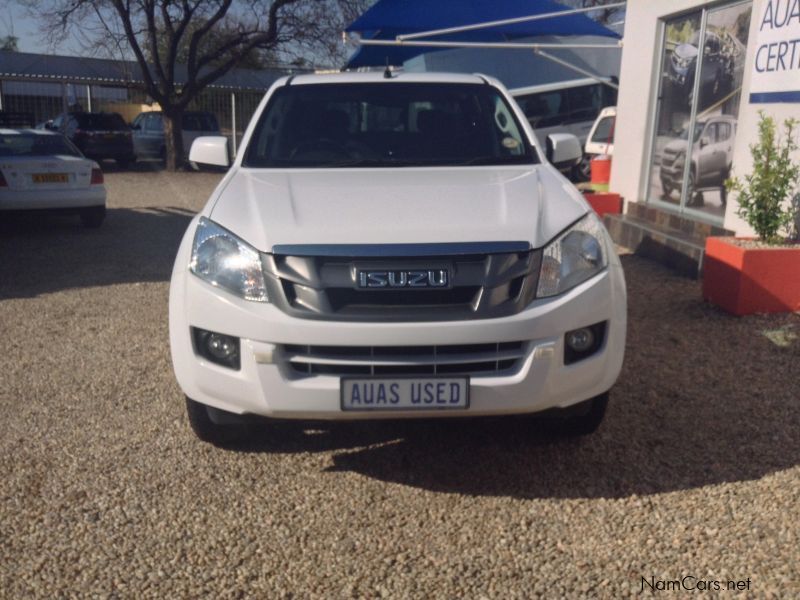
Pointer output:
209, 36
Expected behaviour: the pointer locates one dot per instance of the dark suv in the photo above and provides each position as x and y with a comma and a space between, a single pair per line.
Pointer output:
717, 68
98, 135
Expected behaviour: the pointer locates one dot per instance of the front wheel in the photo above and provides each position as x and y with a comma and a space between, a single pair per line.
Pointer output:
582, 172
666, 189
694, 197
585, 417
226, 430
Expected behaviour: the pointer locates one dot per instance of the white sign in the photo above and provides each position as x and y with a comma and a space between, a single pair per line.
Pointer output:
776, 70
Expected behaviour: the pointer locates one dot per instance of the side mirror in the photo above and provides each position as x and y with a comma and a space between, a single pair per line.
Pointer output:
563, 150
49, 124
210, 150
136, 127
705, 141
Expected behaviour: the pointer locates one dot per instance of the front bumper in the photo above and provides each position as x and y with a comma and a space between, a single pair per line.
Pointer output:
671, 172
266, 386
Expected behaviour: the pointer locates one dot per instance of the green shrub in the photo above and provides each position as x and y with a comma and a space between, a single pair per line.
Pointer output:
767, 196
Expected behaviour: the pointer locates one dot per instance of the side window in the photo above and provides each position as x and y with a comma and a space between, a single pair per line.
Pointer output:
70, 125
138, 121
711, 133
154, 124
723, 131
511, 138
604, 132
585, 102
273, 138
609, 95
544, 109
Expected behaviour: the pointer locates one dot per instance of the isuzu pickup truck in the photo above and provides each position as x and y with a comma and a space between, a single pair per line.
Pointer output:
395, 246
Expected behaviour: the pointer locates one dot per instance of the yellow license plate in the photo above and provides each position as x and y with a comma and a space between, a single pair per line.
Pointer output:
50, 178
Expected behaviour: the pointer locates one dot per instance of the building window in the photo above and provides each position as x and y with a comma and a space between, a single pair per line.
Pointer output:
698, 102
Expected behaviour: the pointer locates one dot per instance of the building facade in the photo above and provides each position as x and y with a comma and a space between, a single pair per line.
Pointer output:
694, 77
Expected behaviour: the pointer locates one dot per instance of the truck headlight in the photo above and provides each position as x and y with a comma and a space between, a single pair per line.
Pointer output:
573, 257
224, 260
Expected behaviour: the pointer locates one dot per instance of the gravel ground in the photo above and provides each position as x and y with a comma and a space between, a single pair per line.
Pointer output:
104, 490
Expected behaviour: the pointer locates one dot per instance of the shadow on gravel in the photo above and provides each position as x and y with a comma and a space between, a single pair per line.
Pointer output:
42, 252
703, 399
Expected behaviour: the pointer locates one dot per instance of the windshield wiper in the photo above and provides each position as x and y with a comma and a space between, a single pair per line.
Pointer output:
370, 162
497, 160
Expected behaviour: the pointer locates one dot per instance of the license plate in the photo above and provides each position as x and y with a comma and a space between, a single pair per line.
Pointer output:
50, 178
405, 393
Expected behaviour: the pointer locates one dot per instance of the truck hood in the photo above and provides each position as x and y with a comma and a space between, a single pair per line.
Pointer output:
268, 208
676, 146
685, 51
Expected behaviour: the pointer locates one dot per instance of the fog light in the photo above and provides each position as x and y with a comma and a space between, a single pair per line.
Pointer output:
216, 347
584, 342
221, 346
580, 340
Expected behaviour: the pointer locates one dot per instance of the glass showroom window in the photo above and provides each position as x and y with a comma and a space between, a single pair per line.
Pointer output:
698, 102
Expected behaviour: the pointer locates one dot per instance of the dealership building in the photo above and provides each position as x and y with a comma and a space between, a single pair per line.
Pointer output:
693, 79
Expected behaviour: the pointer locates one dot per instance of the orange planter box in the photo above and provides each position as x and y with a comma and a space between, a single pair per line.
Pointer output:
604, 203
743, 281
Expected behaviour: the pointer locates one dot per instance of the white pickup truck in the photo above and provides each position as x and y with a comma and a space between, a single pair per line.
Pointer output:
393, 246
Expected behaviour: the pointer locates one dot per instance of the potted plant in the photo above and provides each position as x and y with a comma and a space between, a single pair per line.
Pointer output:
759, 275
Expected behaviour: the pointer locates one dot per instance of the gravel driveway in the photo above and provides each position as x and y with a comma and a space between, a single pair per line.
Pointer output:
105, 492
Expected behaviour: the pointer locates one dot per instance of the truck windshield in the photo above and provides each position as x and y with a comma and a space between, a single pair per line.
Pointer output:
387, 124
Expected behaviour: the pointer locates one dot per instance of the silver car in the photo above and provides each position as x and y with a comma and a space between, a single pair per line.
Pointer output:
148, 132
710, 166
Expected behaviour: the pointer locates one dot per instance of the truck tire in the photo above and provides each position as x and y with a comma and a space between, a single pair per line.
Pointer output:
666, 189
226, 435
587, 418
693, 197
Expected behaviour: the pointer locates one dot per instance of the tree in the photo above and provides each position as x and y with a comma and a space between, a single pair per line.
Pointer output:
604, 16
257, 58
9, 43
207, 38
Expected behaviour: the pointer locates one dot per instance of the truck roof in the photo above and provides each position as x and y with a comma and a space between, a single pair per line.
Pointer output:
378, 77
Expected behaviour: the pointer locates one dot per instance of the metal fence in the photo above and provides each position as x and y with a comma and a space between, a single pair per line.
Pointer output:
45, 100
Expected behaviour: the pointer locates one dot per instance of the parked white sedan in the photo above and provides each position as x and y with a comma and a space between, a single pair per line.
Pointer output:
42, 170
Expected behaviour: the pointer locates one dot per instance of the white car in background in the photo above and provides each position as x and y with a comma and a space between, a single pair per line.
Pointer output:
43, 170
601, 137
566, 107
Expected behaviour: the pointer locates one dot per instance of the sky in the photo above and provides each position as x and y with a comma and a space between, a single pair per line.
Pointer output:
15, 19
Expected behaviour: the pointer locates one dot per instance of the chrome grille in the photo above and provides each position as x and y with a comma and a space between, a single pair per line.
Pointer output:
461, 359
483, 285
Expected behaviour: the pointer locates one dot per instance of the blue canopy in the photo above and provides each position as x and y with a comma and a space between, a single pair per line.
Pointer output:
389, 18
